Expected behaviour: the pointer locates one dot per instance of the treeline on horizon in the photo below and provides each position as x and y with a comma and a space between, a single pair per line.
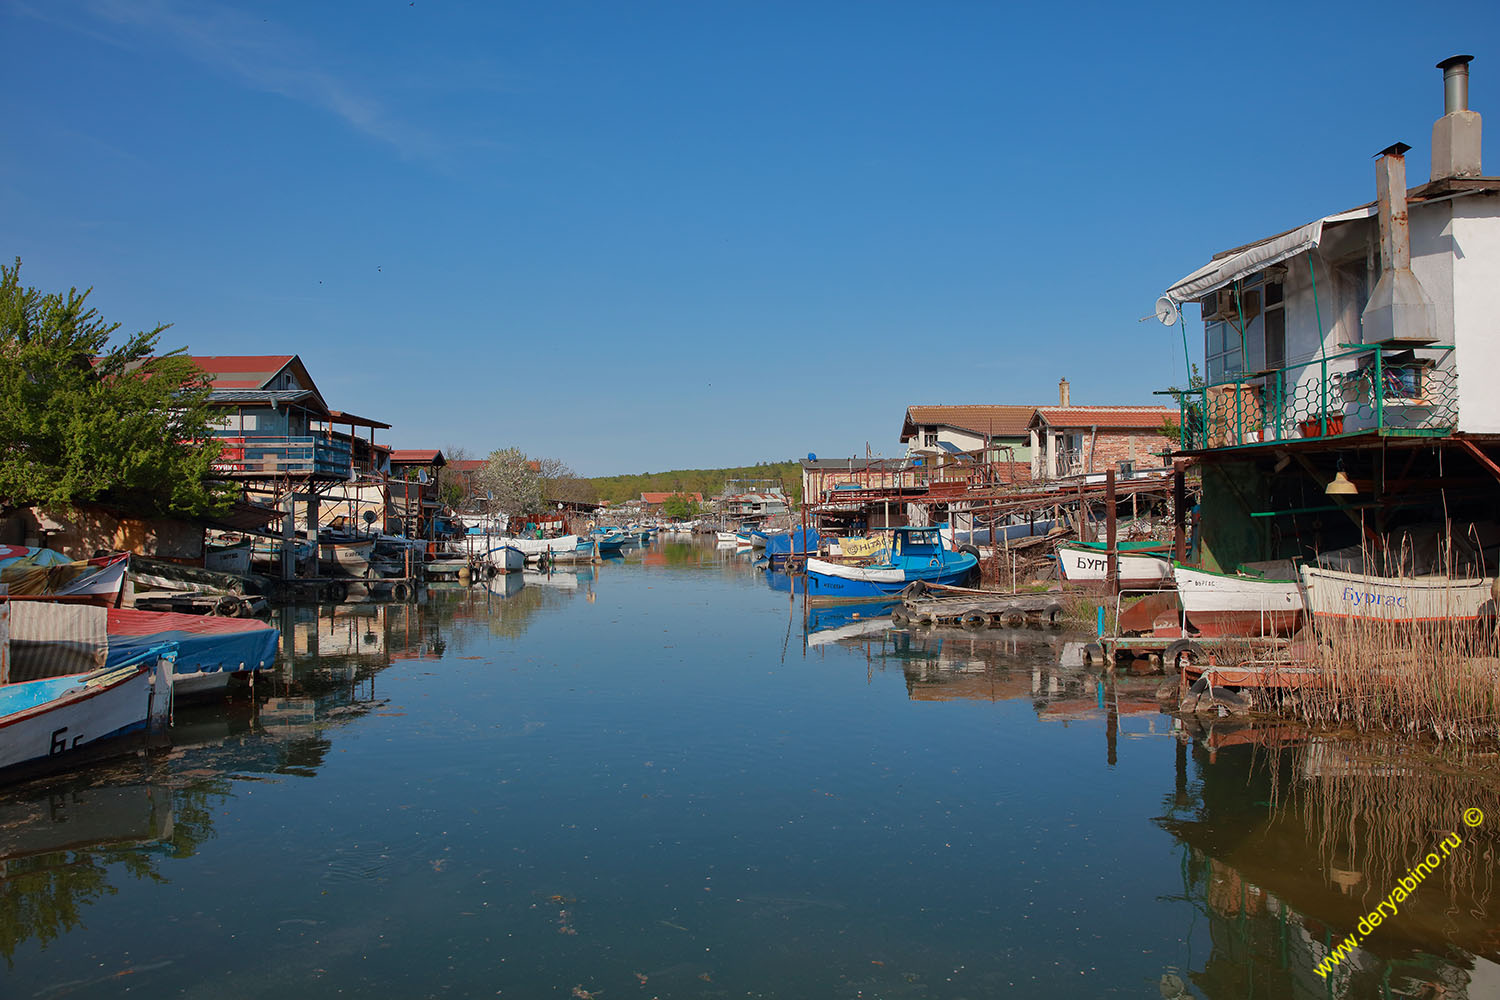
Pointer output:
708, 482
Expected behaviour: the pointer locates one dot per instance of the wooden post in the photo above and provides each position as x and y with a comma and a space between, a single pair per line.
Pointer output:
1112, 565
289, 537
1083, 519
1179, 510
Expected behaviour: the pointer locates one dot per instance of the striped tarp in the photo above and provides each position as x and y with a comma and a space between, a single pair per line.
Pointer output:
51, 640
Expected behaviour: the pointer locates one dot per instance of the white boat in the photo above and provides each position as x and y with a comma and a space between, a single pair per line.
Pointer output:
727, 536
534, 548
32, 572
1086, 564
1335, 595
229, 557
1222, 604
44, 721
345, 557
506, 559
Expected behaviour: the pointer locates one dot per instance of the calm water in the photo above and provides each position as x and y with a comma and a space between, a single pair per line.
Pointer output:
665, 778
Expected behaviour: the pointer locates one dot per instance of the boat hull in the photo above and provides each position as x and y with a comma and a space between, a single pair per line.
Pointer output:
1218, 604
346, 558
1089, 567
1333, 595
836, 580
535, 548
506, 559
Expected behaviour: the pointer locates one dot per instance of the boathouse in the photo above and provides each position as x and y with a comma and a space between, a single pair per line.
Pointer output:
1347, 393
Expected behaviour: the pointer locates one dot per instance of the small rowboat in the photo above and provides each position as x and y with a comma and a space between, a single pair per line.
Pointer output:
1333, 595
1221, 604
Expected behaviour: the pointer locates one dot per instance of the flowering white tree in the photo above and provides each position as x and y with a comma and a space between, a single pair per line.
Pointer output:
515, 487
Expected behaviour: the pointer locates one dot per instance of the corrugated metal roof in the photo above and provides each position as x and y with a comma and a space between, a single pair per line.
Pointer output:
664, 497
340, 417
1105, 416
265, 397
1000, 420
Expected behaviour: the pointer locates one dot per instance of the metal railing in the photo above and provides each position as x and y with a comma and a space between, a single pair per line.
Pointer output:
1355, 390
272, 455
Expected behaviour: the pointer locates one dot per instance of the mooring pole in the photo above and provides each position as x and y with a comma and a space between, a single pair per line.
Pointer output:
1112, 566
1179, 510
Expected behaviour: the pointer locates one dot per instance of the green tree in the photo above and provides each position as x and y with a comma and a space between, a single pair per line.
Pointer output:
81, 420
679, 507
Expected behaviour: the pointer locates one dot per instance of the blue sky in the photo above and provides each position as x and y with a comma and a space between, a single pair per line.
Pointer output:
640, 236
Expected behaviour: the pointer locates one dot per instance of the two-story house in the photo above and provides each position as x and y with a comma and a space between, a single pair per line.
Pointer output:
1346, 362
271, 411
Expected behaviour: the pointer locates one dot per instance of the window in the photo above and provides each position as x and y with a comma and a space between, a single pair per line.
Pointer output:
1222, 353
1275, 327
929, 439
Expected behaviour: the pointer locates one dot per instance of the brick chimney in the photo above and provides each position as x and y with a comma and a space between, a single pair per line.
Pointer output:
1062, 392
1456, 135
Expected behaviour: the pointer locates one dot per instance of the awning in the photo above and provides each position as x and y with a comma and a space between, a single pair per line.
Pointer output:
1258, 256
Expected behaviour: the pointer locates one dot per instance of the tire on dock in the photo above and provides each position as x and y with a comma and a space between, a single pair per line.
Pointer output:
900, 616
915, 589
1093, 654
1054, 613
400, 591
334, 591
1013, 618
974, 618
1181, 653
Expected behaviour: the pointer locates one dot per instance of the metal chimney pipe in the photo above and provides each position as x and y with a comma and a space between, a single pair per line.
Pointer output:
1455, 83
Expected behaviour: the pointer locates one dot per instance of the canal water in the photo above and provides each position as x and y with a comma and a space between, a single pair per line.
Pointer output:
666, 777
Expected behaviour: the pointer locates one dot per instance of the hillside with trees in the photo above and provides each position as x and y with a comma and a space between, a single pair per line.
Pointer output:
708, 482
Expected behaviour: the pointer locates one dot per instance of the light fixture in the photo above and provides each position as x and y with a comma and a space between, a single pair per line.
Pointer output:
1340, 485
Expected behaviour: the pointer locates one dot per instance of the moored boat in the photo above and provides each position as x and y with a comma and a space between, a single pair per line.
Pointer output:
797, 542
535, 548
726, 536
345, 556
915, 554
33, 573
1224, 604
47, 722
1334, 595
505, 558
1142, 565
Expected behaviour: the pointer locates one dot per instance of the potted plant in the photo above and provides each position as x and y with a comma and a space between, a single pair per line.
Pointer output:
1312, 426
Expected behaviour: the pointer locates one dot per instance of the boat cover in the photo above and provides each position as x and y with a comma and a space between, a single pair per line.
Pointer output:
204, 644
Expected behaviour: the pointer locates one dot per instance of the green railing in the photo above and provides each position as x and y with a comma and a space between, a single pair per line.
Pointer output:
1329, 396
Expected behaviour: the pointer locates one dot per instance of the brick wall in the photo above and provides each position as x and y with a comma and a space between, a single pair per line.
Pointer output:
1113, 447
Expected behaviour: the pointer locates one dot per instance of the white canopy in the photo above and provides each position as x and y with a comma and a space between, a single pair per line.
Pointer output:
1242, 263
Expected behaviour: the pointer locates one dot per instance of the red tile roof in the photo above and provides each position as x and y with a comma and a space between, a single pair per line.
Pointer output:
1149, 417
416, 456
663, 497
242, 371
994, 420
468, 464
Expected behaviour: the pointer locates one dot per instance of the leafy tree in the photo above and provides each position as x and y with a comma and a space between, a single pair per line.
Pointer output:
559, 482
453, 485
83, 421
679, 507
515, 484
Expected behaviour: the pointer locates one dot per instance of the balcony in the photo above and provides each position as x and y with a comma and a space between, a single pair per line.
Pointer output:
256, 457
1328, 397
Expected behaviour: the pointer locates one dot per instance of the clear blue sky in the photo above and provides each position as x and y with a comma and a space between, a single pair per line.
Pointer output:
640, 236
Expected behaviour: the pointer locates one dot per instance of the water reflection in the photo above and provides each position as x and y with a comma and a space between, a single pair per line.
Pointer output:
1289, 842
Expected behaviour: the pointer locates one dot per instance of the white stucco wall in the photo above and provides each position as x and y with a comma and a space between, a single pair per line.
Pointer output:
1475, 239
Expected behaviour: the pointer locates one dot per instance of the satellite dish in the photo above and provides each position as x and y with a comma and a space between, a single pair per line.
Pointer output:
1166, 311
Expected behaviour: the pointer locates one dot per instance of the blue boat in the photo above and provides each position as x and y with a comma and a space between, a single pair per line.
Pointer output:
789, 543
916, 554
613, 541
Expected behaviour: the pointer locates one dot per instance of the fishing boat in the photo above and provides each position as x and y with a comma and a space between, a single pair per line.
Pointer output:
52, 640
229, 555
726, 536
1142, 565
1333, 595
535, 548
612, 541
35, 573
915, 554
345, 556
1240, 604
505, 559
48, 721
265, 555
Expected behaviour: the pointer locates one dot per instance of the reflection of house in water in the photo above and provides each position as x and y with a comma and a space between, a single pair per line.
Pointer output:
1279, 882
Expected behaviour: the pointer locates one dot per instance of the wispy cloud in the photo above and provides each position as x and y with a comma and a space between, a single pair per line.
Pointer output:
258, 53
